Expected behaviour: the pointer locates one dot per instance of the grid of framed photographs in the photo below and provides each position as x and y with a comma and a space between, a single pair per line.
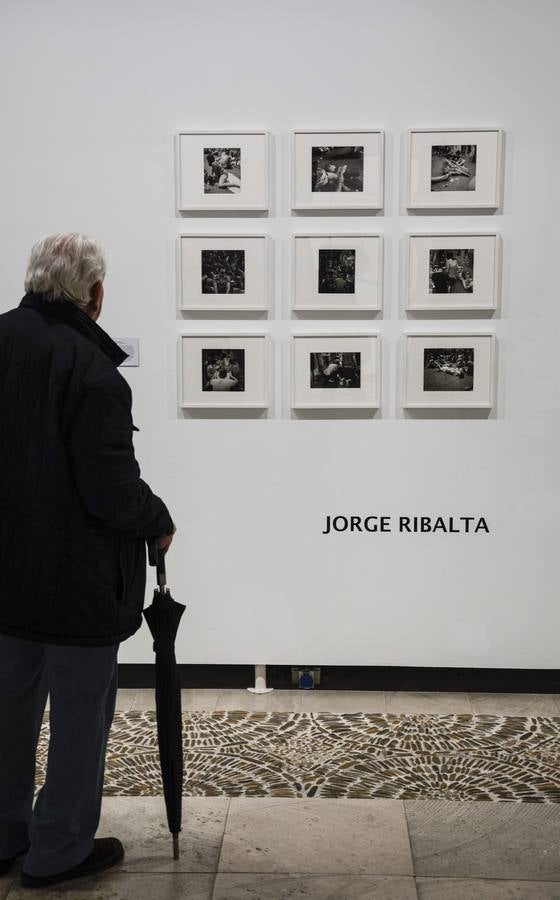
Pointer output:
338, 271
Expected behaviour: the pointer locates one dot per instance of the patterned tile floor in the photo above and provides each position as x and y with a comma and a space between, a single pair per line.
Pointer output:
460, 756
400, 810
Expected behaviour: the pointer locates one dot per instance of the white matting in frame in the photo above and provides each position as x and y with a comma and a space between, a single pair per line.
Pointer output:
336, 371
449, 371
219, 273
219, 171
455, 168
337, 170
338, 272
219, 370
449, 272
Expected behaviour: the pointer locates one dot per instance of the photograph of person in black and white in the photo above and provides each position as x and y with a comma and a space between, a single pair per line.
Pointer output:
335, 370
223, 271
449, 370
337, 169
451, 271
222, 170
337, 271
223, 370
454, 167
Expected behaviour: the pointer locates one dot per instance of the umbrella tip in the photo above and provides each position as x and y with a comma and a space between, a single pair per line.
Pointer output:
175, 846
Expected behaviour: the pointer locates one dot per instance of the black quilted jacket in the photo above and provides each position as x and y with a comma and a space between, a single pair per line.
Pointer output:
74, 512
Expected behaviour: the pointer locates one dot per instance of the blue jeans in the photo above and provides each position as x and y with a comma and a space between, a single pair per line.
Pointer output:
82, 684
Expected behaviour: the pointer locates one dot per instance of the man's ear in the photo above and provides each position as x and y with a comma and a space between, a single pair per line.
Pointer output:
93, 308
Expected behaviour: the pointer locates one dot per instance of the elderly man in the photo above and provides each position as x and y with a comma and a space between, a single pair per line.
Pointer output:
74, 518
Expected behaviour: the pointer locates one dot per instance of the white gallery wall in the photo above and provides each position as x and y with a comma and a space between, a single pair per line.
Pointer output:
92, 95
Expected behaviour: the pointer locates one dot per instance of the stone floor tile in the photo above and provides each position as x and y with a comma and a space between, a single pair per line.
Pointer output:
515, 704
125, 699
5, 884
485, 889
343, 701
116, 885
275, 701
141, 825
481, 839
439, 703
316, 837
314, 887
144, 699
199, 698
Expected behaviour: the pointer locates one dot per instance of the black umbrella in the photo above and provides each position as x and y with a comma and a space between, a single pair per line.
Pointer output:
163, 617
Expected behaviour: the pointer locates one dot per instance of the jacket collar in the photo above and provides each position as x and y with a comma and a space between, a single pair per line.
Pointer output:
71, 314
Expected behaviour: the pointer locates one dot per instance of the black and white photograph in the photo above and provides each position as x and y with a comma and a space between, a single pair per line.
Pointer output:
223, 370
449, 369
453, 167
337, 169
341, 169
451, 271
335, 370
466, 174
223, 271
337, 271
222, 170
458, 272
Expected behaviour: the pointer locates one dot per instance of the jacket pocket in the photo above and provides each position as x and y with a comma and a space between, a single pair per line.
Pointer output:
132, 570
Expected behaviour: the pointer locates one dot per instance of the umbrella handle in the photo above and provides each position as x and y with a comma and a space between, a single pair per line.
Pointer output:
156, 557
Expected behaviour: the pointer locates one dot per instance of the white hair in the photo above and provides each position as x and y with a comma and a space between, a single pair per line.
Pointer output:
65, 265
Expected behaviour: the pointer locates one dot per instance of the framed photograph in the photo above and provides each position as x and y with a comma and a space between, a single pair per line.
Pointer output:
453, 272
337, 170
223, 371
336, 371
220, 171
451, 371
455, 168
338, 272
220, 273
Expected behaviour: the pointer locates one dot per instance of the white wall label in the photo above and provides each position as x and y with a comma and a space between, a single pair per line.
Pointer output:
131, 347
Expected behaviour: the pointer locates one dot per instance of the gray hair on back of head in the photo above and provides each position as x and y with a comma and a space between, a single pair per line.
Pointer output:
65, 266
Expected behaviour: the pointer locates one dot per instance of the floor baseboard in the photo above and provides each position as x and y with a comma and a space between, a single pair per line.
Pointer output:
357, 678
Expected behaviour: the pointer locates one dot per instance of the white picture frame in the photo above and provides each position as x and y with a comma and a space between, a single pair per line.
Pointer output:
241, 284
237, 180
307, 395
250, 353
356, 182
361, 258
469, 281
468, 177
452, 370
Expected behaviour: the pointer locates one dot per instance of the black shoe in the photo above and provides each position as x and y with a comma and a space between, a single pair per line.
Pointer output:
106, 852
6, 864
